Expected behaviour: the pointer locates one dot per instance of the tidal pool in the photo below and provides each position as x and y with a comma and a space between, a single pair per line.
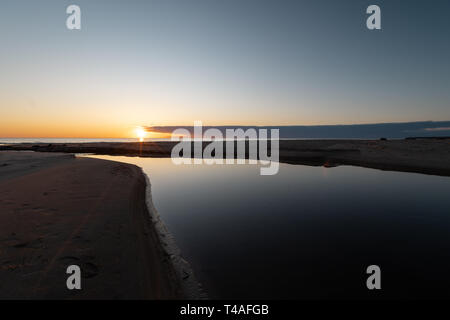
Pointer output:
307, 232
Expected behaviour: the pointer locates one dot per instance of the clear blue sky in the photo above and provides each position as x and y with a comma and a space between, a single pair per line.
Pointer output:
223, 62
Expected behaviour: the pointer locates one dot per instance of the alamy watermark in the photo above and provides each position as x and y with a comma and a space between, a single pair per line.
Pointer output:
73, 21
74, 280
373, 22
249, 146
374, 280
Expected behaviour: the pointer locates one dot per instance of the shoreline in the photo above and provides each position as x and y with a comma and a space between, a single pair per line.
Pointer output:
419, 155
191, 287
59, 210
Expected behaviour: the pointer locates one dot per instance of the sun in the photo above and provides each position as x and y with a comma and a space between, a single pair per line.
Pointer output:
140, 133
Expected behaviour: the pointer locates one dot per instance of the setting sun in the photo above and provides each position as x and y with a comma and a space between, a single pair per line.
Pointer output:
140, 133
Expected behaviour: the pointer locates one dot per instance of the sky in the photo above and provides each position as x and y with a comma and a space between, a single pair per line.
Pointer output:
223, 62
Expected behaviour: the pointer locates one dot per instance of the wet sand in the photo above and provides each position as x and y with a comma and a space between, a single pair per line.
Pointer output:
57, 210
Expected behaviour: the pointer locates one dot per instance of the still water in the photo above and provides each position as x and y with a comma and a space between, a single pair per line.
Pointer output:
307, 232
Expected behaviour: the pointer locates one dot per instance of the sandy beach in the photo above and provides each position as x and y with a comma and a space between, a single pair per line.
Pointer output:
57, 210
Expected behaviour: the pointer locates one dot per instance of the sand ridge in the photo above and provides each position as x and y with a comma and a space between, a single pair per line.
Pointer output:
420, 155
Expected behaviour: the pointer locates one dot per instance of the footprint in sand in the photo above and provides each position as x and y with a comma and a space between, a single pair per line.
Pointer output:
89, 270
21, 245
33, 244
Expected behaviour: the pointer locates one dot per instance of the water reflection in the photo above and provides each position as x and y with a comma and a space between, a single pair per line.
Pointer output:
307, 232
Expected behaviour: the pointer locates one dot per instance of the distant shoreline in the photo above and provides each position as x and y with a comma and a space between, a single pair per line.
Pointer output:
420, 155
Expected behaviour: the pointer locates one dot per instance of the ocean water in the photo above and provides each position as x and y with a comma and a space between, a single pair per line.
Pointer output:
70, 140
307, 232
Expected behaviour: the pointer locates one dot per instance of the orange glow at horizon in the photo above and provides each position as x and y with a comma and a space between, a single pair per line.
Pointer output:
140, 133
51, 128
